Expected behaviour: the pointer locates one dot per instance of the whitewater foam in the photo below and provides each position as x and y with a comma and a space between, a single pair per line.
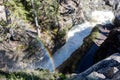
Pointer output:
76, 35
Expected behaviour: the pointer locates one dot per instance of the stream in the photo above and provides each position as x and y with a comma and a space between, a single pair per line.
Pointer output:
74, 40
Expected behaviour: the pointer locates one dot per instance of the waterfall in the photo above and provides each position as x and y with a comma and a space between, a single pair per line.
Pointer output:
75, 37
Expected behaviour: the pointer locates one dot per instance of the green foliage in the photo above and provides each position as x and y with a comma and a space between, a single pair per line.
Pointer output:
61, 33
17, 8
3, 23
94, 33
47, 11
32, 75
62, 77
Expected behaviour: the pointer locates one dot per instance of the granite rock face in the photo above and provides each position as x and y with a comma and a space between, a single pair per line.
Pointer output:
18, 50
73, 12
107, 69
19, 46
70, 13
110, 46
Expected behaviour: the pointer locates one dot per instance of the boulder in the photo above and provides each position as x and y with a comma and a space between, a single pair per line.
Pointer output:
107, 69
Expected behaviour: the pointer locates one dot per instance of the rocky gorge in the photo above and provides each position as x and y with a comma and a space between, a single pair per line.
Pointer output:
91, 35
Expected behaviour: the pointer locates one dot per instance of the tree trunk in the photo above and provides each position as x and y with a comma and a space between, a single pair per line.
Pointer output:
7, 12
36, 19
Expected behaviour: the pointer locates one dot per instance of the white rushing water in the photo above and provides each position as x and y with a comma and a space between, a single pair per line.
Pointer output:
75, 39
76, 35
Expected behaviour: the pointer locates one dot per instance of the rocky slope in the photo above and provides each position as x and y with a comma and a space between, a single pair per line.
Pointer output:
83, 24
107, 69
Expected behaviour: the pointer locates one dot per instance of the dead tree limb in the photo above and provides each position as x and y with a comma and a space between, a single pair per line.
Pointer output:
36, 18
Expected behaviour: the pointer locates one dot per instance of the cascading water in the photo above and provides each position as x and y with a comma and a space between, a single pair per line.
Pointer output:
74, 40
76, 35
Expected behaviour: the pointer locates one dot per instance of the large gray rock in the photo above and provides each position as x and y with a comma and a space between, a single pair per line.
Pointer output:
107, 69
